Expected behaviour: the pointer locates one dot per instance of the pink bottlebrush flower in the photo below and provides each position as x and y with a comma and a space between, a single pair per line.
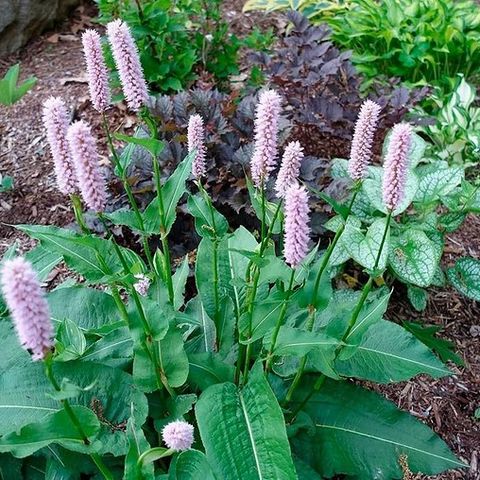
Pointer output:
142, 285
290, 169
362, 143
396, 164
196, 142
178, 435
297, 231
125, 54
85, 158
266, 130
28, 307
97, 70
55, 119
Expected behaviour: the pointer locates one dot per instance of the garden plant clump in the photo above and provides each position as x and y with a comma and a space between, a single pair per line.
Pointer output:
257, 366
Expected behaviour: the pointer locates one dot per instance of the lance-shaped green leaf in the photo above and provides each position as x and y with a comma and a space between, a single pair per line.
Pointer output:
153, 145
437, 182
364, 248
10, 92
173, 361
172, 191
413, 258
270, 208
190, 465
113, 349
179, 280
206, 369
208, 221
90, 309
246, 438
318, 295
71, 342
360, 434
201, 332
54, 428
125, 216
43, 261
90, 256
388, 353
465, 277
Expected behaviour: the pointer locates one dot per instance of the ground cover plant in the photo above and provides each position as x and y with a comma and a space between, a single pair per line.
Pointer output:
132, 373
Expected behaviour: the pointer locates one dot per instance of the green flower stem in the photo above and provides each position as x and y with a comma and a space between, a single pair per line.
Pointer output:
78, 212
76, 422
311, 307
215, 254
123, 174
280, 320
365, 291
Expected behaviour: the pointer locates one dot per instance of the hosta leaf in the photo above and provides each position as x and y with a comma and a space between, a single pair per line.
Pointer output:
246, 438
207, 223
364, 248
465, 277
388, 353
190, 465
437, 183
413, 258
172, 191
54, 428
359, 433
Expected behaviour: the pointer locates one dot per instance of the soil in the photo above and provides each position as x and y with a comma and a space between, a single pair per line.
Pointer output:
447, 405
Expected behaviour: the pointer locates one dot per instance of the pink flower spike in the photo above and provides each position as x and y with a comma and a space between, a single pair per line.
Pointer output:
28, 307
297, 231
125, 54
362, 143
142, 285
396, 165
290, 169
97, 70
55, 119
178, 435
266, 131
196, 141
85, 158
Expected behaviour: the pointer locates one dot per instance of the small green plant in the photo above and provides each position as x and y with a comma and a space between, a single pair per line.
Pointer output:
10, 92
6, 183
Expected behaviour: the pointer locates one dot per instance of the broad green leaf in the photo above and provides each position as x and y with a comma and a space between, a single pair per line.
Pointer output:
270, 209
43, 261
124, 216
10, 92
426, 334
364, 248
179, 280
172, 191
190, 465
208, 369
465, 277
56, 427
246, 438
113, 349
208, 222
414, 257
437, 183
172, 357
91, 310
388, 353
153, 145
71, 342
226, 326
359, 433
202, 333
82, 252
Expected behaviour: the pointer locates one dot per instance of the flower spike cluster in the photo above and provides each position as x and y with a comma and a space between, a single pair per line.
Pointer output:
266, 130
85, 158
196, 141
290, 168
396, 165
127, 60
55, 119
28, 307
97, 70
178, 435
362, 143
297, 231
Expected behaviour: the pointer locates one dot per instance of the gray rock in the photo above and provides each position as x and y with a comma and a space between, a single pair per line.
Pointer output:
20, 20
